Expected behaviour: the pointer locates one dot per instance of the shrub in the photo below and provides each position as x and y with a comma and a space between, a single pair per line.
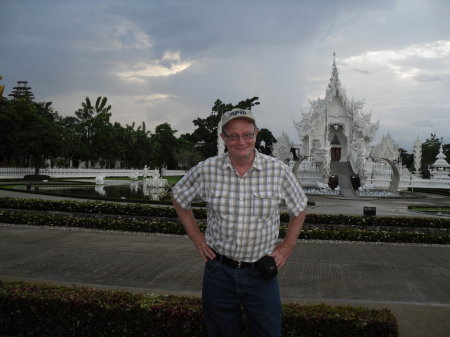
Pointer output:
333, 182
356, 182
102, 207
36, 177
34, 309
175, 227
441, 191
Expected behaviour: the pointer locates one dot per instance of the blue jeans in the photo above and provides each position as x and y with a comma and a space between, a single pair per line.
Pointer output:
226, 290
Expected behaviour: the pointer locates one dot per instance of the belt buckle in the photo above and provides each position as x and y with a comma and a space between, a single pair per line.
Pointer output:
239, 264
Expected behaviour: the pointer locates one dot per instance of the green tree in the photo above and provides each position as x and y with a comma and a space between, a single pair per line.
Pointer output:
39, 136
265, 141
10, 123
407, 159
186, 155
164, 144
72, 142
446, 150
430, 149
96, 128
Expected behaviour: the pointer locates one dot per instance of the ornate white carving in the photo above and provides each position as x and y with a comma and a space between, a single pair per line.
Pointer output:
417, 151
282, 148
387, 148
440, 169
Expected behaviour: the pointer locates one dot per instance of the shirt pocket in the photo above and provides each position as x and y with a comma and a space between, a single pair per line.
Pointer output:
219, 202
264, 204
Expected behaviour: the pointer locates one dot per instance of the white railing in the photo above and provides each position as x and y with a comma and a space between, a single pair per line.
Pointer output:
20, 172
171, 173
383, 183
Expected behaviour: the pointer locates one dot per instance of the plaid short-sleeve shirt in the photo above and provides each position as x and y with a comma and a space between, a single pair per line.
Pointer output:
242, 212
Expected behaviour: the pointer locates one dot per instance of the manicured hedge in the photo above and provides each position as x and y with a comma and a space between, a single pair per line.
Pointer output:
98, 207
428, 207
374, 221
175, 227
129, 224
440, 191
38, 177
33, 309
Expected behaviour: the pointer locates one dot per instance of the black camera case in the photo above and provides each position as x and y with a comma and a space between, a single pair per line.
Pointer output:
267, 267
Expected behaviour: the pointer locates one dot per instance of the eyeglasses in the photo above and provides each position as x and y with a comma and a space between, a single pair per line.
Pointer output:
235, 138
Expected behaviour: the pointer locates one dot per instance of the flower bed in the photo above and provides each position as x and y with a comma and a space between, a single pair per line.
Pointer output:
175, 227
33, 309
99, 207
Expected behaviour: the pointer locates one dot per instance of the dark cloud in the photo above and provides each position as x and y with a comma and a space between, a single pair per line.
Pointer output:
280, 51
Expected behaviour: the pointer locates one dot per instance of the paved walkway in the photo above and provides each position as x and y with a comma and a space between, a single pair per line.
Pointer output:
410, 280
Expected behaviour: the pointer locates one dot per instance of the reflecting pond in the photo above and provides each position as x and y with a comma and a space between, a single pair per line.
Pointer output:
111, 189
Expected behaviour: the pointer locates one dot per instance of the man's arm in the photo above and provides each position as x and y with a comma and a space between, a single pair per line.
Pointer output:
193, 231
283, 250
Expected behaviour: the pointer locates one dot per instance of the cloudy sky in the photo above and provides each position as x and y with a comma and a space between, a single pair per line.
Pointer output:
168, 61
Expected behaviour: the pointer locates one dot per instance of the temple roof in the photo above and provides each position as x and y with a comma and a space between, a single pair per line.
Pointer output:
441, 160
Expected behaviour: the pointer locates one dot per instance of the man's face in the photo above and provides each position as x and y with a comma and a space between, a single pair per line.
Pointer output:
239, 137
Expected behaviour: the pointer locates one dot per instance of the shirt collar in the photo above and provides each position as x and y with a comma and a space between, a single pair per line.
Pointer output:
257, 161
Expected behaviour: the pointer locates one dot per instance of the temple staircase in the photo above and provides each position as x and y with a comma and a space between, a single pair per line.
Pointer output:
343, 171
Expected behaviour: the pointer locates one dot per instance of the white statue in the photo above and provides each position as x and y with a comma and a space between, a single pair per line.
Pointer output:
145, 172
154, 180
134, 175
100, 179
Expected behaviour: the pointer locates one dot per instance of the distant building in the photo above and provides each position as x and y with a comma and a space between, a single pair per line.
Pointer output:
335, 129
22, 91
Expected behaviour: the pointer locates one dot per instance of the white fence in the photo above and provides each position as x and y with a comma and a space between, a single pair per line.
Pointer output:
20, 172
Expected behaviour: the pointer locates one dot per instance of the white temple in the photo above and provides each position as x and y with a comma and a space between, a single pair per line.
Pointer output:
335, 128
336, 136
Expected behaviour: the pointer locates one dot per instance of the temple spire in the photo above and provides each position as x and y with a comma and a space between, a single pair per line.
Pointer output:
334, 87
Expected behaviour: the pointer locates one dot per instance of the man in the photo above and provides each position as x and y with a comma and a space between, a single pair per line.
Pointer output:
243, 189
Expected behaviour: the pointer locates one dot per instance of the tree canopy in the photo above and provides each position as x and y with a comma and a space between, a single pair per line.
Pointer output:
32, 133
